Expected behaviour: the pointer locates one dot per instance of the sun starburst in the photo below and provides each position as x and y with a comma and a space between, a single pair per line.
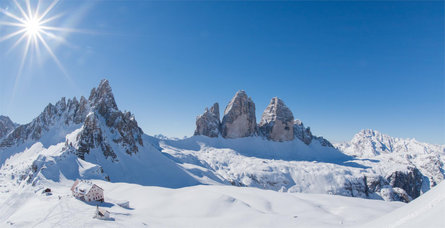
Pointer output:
31, 28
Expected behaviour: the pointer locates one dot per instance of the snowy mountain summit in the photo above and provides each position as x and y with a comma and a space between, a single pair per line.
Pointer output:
370, 143
428, 159
90, 138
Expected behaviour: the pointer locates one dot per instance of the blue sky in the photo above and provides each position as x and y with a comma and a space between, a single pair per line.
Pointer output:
339, 66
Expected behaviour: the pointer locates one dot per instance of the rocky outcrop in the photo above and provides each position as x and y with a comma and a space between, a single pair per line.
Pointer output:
410, 181
239, 117
63, 113
92, 137
302, 133
6, 126
99, 118
277, 121
104, 121
208, 124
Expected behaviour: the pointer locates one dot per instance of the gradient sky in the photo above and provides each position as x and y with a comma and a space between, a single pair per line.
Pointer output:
339, 66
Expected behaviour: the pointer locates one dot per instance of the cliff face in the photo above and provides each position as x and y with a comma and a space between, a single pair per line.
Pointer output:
239, 120
6, 126
239, 117
277, 121
208, 124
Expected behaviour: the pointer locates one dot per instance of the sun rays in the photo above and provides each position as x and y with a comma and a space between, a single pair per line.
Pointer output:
30, 27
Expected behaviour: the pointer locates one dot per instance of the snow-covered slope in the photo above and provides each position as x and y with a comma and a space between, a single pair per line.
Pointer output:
293, 166
425, 211
196, 206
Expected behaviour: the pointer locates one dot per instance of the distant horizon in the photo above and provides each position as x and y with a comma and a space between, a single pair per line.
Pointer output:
222, 108
339, 66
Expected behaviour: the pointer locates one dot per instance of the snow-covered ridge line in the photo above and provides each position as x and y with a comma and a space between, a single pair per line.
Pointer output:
370, 143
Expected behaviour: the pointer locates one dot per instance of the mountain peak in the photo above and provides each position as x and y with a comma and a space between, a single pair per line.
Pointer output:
277, 121
239, 117
6, 126
102, 98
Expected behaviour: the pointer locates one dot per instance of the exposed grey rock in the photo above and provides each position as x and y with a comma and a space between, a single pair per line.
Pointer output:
323, 141
104, 116
102, 99
62, 113
302, 133
6, 126
92, 137
277, 121
239, 117
208, 124
105, 124
410, 181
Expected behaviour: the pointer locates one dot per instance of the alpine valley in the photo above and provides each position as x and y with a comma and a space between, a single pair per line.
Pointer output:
234, 170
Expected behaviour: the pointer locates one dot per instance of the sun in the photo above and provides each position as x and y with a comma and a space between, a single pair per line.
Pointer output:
31, 27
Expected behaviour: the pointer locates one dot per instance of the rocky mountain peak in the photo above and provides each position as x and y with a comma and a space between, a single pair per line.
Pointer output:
239, 117
6, 126
208, 123
102, 99
104, 116
277, 121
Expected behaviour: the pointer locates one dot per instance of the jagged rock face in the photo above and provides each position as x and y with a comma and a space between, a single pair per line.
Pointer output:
105, 115
277, 121
6, 126
208, 124
302, 133
239, 117
410, 181
105, 124
102, 99
65, 113
92, 137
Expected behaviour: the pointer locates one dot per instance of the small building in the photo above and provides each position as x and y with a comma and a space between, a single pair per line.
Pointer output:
87, 191
102, 213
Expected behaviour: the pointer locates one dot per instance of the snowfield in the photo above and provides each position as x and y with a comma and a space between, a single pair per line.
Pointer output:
196, 206
425, 211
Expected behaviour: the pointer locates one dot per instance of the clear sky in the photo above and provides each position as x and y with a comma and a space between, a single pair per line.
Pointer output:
339, 66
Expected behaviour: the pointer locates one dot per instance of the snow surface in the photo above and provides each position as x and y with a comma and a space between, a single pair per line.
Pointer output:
426, 211
196, 206
282, 166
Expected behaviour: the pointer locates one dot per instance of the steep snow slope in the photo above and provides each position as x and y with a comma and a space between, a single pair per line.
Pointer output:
196, 206
425, 211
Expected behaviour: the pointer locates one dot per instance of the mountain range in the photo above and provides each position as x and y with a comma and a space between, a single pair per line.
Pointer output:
92, 139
